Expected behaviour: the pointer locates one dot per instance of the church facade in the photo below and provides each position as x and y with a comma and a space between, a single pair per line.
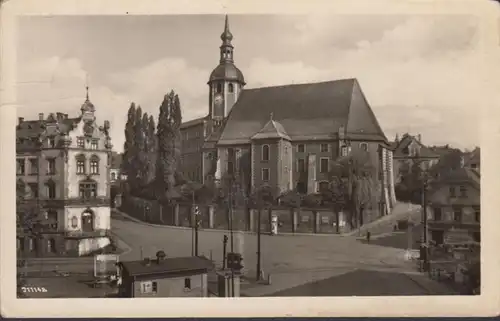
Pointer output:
286, 137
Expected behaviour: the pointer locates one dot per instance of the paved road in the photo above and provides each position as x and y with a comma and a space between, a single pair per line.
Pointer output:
291, 260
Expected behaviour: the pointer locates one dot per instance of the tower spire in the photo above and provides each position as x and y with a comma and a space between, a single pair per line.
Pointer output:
87, 87
226, 49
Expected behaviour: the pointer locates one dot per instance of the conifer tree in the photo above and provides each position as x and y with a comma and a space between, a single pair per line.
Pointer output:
165, 167
137, 165
153, 148
145, 152
128, 146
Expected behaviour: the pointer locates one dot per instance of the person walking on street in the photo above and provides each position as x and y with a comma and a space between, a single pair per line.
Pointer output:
368, 234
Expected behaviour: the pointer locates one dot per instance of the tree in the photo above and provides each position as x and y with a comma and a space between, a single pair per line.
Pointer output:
357, 185
166, 166
145, 151
410, 187
137, 163
152, 148
129, 150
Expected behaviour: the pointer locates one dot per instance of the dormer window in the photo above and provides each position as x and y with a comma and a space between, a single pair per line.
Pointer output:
51, 142
95, 144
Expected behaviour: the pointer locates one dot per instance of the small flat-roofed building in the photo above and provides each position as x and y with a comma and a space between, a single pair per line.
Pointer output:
165, 277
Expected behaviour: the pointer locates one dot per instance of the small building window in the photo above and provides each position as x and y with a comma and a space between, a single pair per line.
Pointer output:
74, 222
187, 284
344, 151
33, 188
113, 176
324, 165
31, 244
301, 148
51, 246
94, 165
33, 166
463, 191
50, 187
301, 165
265, 153
88, 190
230, 88
51, 142
477, 214
265, 174
324, 148
452, 191
80, 164
51, 166
363, 147
437, 214
95, 144
80, 142
21, 167
457, 214
149, 287
219, 88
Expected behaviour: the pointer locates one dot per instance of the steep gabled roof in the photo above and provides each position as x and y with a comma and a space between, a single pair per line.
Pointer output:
272, 129
306, 111
473, 157
405, 141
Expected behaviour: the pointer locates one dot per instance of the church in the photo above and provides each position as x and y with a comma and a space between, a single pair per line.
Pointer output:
285, 136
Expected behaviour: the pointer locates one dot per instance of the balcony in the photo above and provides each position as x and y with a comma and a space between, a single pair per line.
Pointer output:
86, 234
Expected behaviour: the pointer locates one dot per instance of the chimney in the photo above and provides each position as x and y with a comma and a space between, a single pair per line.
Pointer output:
419, 137
160, 256
40, 116
147, 261
20, 120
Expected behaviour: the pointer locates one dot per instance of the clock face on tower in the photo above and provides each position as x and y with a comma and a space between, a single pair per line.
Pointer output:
218, 99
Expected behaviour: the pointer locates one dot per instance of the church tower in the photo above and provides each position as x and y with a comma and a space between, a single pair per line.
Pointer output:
226, 80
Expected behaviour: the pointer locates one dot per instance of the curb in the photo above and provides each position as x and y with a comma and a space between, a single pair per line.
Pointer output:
227, 231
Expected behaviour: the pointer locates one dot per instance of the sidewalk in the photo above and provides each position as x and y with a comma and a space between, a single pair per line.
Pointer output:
221, 231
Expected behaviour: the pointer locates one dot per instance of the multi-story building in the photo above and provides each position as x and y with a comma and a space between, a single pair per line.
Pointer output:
283, 136
473, 159
63, 167
455, 213
410, 151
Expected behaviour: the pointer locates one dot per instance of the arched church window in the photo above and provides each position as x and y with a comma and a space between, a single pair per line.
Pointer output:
219, 88
231, 88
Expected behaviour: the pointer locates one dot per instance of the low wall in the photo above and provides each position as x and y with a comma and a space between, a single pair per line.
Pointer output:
304, 220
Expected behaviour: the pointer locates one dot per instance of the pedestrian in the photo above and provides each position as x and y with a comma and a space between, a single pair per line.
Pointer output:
368, 234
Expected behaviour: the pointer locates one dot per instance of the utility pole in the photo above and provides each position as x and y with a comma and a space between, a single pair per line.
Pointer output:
196, 225
259, 212
192, 224
230, 201
224, 251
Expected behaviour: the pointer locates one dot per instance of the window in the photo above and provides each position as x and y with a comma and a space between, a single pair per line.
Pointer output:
149, 287
324, 148
95, 144
473, 166
51, 166
438, 214
113, 176
51, 246
477, 214
94, 165
452, 191
80, 164
74, 222
323, 165
265, 174
20, 166
80, 142
187, 283
301, 148
50, 187
230, 168
33, 187
343, 151
51, 142
31, 244
437, 236
52, 218
301, 165
463, 191
20, 243
363, 147
231, 88
219, 88
323, 187
88, 190
33, 166
265, 153
457, 214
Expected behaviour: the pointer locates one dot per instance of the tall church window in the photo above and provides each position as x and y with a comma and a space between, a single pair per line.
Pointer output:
265, 153
231, 88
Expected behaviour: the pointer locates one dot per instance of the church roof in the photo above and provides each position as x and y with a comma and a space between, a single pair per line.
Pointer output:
227, 71
272, 129
306, 111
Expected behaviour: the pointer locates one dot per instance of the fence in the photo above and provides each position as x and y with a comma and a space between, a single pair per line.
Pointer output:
304, 220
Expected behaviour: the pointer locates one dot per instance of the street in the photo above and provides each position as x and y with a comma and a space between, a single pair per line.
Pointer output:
293, 261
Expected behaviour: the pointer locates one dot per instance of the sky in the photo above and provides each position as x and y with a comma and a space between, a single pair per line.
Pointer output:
418, 72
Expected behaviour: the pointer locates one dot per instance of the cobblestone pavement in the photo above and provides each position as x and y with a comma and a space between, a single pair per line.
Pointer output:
291, 260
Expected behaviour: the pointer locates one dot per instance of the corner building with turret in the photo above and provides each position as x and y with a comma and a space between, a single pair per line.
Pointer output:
286, 136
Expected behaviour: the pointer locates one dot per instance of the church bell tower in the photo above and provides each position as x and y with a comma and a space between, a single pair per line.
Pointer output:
226, 81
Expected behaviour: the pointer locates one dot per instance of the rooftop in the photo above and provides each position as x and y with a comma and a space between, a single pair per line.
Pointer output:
168, 265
